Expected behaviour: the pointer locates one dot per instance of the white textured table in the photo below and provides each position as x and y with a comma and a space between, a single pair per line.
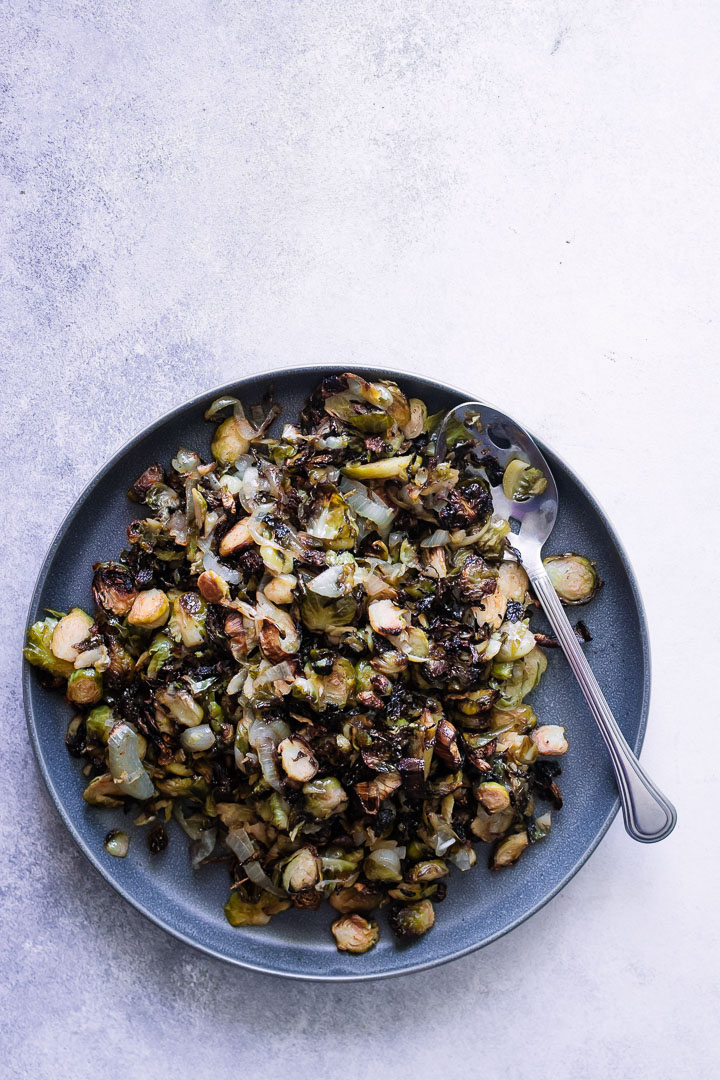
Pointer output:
519, 197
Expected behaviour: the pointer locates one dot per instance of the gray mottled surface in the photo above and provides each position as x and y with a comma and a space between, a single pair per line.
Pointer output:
520, 196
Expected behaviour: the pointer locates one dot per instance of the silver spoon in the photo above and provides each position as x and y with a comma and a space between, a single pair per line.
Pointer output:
648, 815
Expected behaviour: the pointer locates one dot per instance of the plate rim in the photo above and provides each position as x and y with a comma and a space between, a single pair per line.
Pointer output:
94, 859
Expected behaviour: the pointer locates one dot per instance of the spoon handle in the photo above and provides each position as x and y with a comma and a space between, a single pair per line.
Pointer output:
648, 815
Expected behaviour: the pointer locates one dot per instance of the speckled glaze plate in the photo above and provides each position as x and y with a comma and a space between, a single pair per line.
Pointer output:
480, 906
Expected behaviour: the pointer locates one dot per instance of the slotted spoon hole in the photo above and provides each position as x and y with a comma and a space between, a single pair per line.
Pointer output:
515, 525
498, 437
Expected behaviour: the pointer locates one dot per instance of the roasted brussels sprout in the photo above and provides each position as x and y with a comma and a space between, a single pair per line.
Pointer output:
412, 920
574, 578
150, 610
302, 871
229, 443
71, 631
550, 739
509, 851
325, 797
357, 897
297, 759
355, 934
117, 843
38, 649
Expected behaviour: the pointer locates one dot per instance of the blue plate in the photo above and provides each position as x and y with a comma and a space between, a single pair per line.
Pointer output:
480, 905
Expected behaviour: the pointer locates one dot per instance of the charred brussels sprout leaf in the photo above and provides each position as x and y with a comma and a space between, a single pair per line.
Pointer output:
522, 481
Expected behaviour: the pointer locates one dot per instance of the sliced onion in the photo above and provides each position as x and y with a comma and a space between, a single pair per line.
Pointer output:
257, 875
367, 504
219, 404
262, 740
443, 836
438, 539
283, 670
237, 682
203, 847
125, 766
329, 582
211, 562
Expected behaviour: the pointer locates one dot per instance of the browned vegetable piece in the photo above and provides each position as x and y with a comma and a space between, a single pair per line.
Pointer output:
237, 538
355, 934
154, 474
357, 897
113, 588
446, 746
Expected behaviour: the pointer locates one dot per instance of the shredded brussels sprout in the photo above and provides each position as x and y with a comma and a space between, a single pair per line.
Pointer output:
314, 655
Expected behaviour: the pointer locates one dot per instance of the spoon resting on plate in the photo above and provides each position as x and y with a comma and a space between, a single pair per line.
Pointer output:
532, 508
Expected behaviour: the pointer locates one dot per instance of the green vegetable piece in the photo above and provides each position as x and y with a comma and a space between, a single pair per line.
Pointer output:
99, 724
325, 797
241, 912
574, 578
117, 843
413, 920
38, 650
302, 871
230, 443
384, 469
509, 851
85, 686
355, 934
522, 481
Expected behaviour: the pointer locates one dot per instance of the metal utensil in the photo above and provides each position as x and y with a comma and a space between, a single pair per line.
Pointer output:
648, 815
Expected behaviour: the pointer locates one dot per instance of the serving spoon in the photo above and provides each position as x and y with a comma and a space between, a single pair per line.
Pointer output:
648, 815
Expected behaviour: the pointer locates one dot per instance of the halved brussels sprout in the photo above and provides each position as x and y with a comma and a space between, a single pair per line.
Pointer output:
574, 578
521, 481
413, 920
187, 622
239, 911
524, 676
493, 796
85, 686
302, 871
150, 610
321, 613
357, 897
180, 705
325, 797
72, 630
509, 851
518, 641
297, 759
423, 873
550, 739
99, 724
355, 934
332, 521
